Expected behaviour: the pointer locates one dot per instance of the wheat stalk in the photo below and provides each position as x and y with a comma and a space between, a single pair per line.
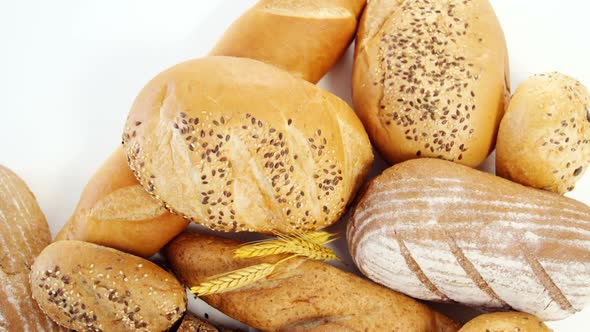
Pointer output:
235, 279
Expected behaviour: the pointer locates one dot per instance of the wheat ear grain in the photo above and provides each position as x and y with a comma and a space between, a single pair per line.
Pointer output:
308, 245
311, 250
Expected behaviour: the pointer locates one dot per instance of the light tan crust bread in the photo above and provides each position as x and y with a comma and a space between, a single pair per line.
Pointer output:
23, 234
544, 138
86, 287
115, 211
431, 78
239, 145
300, 295
505, 322
439, 231
303, 37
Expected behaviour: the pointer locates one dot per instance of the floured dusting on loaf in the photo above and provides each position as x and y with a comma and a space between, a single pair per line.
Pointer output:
272, 179
426, 78
315, 9
444, 238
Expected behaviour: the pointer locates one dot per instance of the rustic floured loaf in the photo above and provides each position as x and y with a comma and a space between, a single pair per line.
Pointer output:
431, 78
239, 145
304, 37
87, 287
544, 138
115, 211
440, 231
23, 234
300, 295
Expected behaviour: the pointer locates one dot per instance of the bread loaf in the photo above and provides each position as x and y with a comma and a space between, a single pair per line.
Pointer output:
115, 211
544, 138
239, 145
439, 231
301, 295
86, 287
190, 323
304, 37
431, 78
505, 322
23, 234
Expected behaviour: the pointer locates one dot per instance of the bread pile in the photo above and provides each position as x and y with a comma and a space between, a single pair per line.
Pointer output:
243, 141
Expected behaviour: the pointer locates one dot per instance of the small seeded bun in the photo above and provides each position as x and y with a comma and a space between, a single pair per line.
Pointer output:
431, 79
504, 322
86, 287
115, 211
239, 145
304, 37
544, 138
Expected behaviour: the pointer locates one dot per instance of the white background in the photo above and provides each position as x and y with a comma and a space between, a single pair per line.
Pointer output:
69, 70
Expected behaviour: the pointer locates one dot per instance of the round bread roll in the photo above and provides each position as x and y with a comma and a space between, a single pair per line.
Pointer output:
431, 78
86, 287
239, 145
115, 211
505, 322
544, 138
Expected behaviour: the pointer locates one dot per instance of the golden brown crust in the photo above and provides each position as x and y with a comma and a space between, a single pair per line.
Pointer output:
304, 37
239, 145
115, 211
87, 287
190, 323
505, 322
544, 138
430, 78
23, 234
300, 294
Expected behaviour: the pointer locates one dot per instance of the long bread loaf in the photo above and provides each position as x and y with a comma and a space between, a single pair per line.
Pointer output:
300, 294
440, 231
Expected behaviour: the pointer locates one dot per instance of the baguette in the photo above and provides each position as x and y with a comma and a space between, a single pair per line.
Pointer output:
303, 37
300, 295
115, 211
23, 234
439, 231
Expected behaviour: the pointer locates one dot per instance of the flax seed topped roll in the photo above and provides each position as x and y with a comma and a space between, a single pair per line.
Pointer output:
431, 78
239, 145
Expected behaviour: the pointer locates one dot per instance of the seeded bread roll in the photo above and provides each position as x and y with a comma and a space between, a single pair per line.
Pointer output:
190, 323
505, 322
439, 231
23, 234
239, 145
431, 78
304, 37
115, 211
544, 138
300, 295
86, 287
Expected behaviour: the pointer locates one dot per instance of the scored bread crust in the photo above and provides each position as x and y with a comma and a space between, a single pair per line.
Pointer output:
23, 234
544, 138
115, 211
439, 231
239, 145
300, 295
304, 37
431, 78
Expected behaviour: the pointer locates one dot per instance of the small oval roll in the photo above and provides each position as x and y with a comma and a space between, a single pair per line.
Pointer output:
504, 322
304, 37
439, 231
431, 78
239, 145
86, 287
544, 138
115, 211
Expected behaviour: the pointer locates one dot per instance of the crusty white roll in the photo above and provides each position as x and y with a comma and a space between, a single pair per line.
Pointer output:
115, 211
87, 287
23, 234
239, 145
431, 78
440, 231
544, 138
304, 37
